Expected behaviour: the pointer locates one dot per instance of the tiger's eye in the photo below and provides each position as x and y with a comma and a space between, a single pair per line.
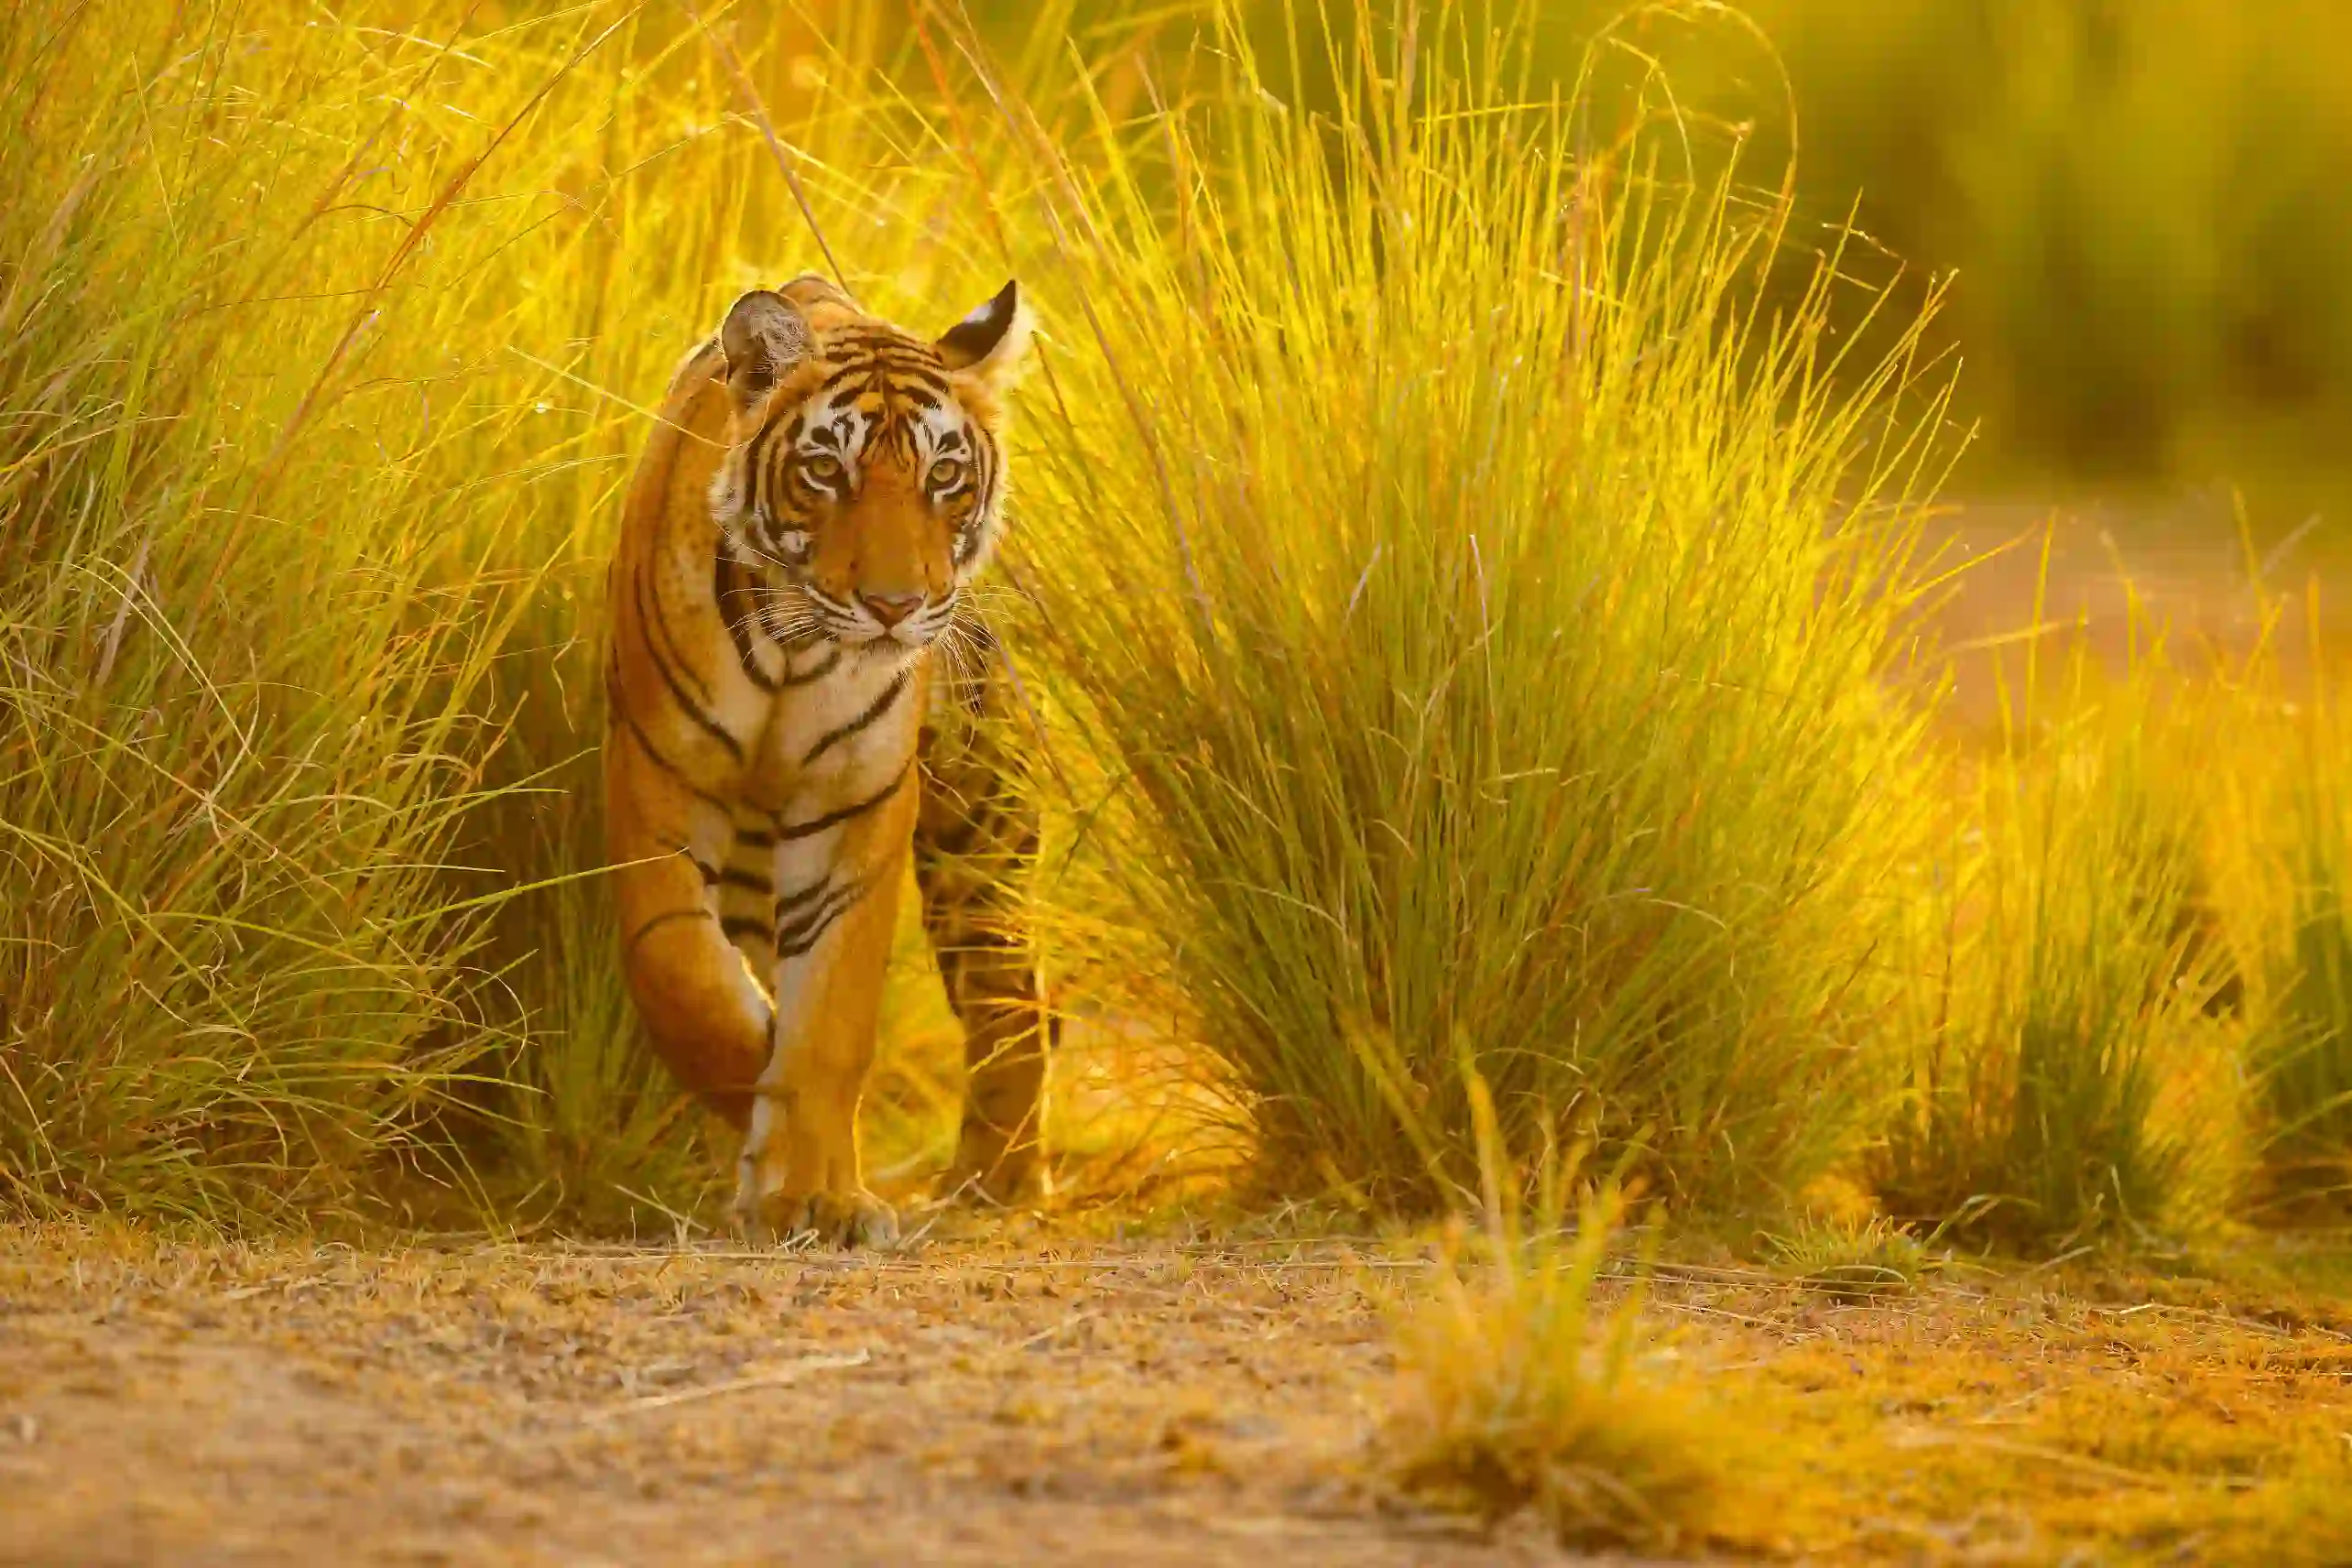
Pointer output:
945, 473
823, 467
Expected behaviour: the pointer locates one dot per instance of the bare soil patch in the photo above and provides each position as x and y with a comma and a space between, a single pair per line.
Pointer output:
1005, 1396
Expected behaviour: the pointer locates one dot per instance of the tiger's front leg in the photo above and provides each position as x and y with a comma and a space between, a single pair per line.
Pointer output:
836, 910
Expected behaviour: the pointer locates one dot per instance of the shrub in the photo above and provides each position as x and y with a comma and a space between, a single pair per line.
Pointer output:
1479, 609
2302, 1055
2064, 1025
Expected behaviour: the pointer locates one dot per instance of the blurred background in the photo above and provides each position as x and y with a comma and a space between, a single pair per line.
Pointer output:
2139, 205
2135, 208
2141, 201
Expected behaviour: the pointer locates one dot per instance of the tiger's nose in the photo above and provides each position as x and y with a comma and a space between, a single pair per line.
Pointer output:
892, 608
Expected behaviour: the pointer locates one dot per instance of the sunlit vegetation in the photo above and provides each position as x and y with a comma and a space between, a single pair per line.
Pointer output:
1466, 576
1471, 588
2301, 1056
1528, 1387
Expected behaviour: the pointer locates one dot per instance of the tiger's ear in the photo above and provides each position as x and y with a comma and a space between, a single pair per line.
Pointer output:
765, 336
990, 346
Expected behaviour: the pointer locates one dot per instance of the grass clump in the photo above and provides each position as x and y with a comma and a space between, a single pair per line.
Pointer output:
1851, 1258
1520, 1392
2301, 1058
2072, 1079
236, 735
1475, 606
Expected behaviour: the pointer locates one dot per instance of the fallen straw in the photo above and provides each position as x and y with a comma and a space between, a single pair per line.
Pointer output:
780, 1376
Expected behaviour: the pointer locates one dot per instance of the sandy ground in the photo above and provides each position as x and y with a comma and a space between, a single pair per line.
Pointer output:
972, 1404
997, 1397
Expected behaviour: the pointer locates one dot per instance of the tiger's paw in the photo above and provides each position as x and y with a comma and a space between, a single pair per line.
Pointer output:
820, 1219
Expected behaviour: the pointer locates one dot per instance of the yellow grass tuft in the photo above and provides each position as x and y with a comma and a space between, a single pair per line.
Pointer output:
1521, 1391
1523, 1386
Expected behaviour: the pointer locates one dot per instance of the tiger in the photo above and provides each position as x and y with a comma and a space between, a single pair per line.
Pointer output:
798, 544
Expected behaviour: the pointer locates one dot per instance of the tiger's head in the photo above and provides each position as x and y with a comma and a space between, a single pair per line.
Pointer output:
864, 473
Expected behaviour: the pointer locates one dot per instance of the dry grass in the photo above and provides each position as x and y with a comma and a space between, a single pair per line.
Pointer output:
1054, 1395
1851, 1257
1521, 1391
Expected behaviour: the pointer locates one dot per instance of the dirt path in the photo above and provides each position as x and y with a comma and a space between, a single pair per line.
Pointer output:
982, 1406
997, 1399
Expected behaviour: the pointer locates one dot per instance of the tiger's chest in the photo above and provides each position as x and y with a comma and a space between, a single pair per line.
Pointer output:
839, 739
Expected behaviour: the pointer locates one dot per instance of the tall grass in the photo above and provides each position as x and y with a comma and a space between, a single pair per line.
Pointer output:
229, 979
1456, 575
2068, 1078
2302, 1057
1478, 603
326, 337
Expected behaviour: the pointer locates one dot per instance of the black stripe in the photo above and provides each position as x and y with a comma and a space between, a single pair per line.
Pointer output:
818, 671
752, 470
855, 369
880, 342
710, 873
651, 613
754, 881
614, 702
984, 476
678, 692
738, 927
873, 711
638, 935
796, 938
790, 901
723, 588
904, 374
793, 935
758, 838
896, 374
835, 819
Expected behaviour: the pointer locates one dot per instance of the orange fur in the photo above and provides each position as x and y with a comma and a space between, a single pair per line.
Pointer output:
800, 527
